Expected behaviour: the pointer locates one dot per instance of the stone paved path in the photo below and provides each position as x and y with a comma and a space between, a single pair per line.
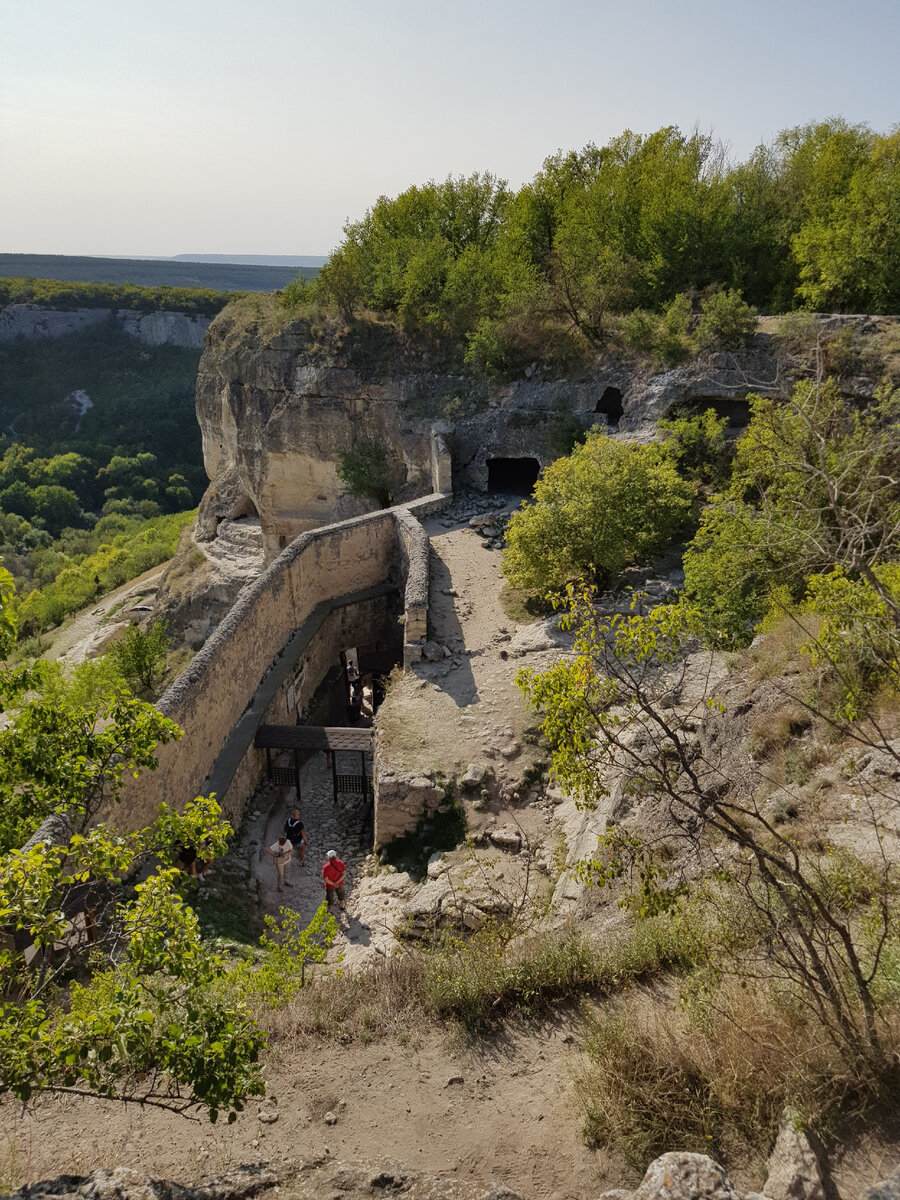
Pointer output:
343, 825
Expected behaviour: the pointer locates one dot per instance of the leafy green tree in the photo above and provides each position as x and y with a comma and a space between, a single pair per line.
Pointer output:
813, 486
697, 442
607, 504
849, 255
725, 322
141, 657
178, 494
127, 1001
419, 255
153, 1017
857, 639
57, 507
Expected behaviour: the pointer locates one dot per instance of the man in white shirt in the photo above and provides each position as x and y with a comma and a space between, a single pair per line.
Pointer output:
282, 852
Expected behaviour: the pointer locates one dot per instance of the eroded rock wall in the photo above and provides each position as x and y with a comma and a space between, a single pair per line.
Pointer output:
186, 330
277, 411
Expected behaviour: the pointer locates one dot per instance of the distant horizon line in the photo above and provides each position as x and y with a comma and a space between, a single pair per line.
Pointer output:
261, 260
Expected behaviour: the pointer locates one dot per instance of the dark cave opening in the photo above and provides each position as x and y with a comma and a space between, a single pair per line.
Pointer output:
513, 476
736, 412
610, 404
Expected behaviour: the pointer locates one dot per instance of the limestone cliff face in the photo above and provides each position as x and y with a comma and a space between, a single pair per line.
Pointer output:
279, 405
276, 416
278, 411
153, 329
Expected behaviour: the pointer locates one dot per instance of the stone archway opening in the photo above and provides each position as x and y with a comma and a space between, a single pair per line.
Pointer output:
513, 476
610, 405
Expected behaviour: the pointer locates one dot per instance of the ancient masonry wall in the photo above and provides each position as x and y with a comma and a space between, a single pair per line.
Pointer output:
327, 590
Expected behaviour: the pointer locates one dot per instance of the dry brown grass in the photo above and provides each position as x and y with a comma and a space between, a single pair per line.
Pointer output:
387, 1001
715, 1073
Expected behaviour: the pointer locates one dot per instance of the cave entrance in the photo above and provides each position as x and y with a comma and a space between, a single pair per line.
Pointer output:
610, 405
735, 412
513, 476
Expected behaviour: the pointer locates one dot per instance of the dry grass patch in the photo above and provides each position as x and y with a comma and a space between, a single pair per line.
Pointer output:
715, 1073
389, 1000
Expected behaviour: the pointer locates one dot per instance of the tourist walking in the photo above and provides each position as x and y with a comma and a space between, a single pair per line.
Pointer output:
281, 851
296, 835
333, 875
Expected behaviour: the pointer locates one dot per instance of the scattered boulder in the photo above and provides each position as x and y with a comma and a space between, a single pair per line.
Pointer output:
473, 777
794, 1167
434, 652
507, 838
121, 1183
680, 1176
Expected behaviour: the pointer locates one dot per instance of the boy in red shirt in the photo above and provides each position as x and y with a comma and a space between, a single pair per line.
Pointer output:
333, 875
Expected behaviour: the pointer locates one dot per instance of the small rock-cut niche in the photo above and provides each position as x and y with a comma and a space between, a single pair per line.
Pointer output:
513, 476
735, 412
610, 404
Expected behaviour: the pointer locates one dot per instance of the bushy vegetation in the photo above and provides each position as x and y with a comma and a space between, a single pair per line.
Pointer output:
812, 487
119, 995
368, 473
140, 401
607, 504
102, 442
68, 574
697, 444
656, 239
63, 294
141, 657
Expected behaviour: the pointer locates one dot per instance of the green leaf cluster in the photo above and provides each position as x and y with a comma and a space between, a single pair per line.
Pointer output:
813, 486
369, 473
140, 656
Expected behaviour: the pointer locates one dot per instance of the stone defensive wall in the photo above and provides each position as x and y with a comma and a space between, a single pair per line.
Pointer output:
341, 585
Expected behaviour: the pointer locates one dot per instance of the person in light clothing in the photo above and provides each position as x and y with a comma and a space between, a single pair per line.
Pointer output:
333, 875
282, 852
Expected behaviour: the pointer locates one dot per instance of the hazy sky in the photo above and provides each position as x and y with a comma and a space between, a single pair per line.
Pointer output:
260, 126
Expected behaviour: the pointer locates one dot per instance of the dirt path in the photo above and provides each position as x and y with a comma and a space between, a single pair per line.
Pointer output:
466, 708
511, 1116
86, 636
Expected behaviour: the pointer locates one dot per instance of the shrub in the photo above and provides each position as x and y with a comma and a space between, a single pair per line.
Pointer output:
697, 442
639, 331
141, 657
725, 322
368, 473
607, 504
673, 343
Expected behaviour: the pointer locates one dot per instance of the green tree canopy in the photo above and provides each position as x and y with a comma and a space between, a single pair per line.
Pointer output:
813, 486
607, 504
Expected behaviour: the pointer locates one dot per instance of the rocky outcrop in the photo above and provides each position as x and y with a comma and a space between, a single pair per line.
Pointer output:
186, 330
278, 410
679, 1176
204, 579
304, 1179
795, 1169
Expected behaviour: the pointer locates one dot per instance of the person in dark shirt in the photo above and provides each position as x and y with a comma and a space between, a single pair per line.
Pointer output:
296, 834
